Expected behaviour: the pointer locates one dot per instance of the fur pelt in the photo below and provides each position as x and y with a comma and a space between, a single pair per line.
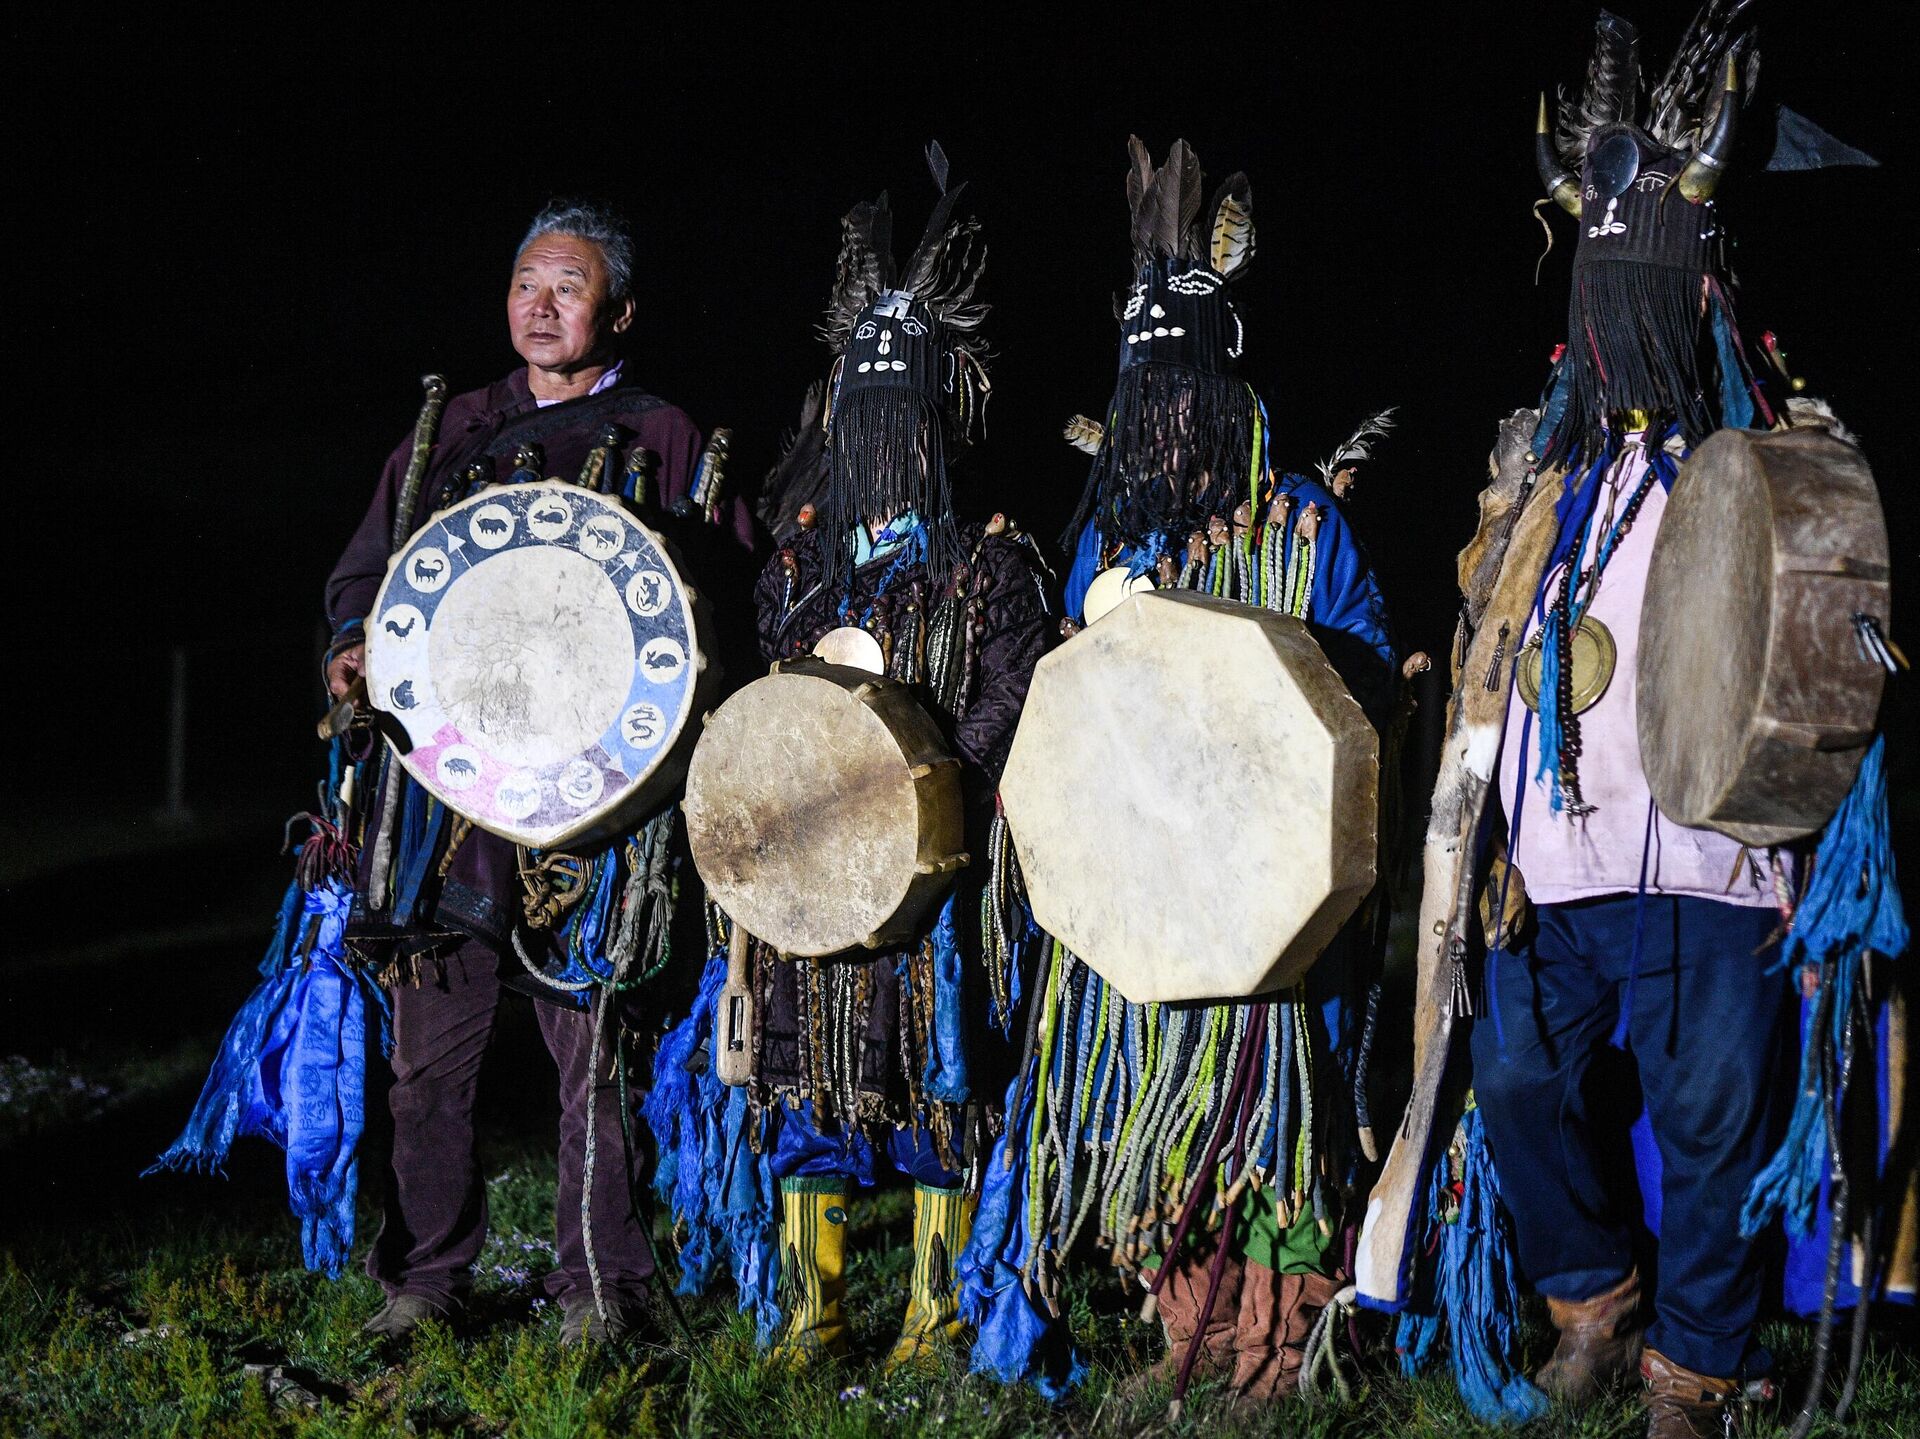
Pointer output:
1507, 468
1502, 565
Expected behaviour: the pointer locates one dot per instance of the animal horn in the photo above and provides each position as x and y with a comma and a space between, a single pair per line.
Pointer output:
1553, 174
1702, 174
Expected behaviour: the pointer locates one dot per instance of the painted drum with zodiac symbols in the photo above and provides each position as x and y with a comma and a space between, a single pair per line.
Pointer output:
1765, 638
823, 810
535, 655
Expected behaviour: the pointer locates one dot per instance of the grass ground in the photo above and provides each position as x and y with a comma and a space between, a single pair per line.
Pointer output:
176, 1306
192, 1317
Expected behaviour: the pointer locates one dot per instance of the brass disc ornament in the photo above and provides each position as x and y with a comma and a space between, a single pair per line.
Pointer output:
1593, 659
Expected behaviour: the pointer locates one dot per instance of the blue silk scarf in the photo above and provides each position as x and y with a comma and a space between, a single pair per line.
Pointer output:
292, 1069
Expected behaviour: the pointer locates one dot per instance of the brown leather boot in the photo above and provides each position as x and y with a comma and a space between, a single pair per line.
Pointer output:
1270, 1341
1181, 1300
1684, 1405
1599, 1342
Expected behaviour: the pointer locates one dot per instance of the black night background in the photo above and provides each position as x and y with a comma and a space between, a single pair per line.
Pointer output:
236, 245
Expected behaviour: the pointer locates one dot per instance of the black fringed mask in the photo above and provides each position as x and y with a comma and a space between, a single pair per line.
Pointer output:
896, 344
1180, 428
1648, 232
1179, 314
909, 382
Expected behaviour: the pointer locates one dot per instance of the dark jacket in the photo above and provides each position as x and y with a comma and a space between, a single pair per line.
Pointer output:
480, 892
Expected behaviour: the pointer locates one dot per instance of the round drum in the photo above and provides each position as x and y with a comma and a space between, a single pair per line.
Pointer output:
1193, 794
823, 810
538, 654
1757, 692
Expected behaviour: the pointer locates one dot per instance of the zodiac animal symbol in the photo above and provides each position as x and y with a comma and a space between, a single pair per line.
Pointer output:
462, 767
662, 660
428, 570
550, 517
402, 695
490, 525
402, 631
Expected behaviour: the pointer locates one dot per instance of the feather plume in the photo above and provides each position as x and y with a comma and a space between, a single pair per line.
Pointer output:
1185, 239
859, 275
1139, 172
1612, 89
937, 163
1085, 434
1231, 247
1688, 92
1360, 444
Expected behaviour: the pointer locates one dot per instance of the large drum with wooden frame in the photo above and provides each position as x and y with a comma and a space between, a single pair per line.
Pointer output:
823, 810
1193, 796
536, 655
1760, 640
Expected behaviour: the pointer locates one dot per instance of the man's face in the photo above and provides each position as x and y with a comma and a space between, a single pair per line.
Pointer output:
557, 304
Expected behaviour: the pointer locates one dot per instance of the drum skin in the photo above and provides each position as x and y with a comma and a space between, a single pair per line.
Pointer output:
1193, 795
823, 811
536, 657
1756, 702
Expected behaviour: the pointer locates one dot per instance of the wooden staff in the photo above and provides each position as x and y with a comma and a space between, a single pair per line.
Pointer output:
425, 427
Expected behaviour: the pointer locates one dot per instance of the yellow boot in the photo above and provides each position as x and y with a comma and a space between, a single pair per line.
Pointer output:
942, 1219
813, 1279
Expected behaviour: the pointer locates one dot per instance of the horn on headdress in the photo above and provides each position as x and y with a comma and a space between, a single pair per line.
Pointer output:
1702, 174
1553, 173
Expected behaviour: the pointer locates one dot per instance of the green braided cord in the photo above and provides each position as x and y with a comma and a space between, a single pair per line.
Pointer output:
1050, 1008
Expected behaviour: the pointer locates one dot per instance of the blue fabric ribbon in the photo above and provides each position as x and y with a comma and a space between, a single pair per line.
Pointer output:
1851, 906
1016, 1340
292, 1068
708, 1173
946, 1072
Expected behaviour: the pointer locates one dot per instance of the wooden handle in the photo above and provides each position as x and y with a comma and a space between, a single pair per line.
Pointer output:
733, 1016
336, 720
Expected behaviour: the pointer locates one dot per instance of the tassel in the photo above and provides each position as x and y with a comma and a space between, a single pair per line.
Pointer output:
1475, 1289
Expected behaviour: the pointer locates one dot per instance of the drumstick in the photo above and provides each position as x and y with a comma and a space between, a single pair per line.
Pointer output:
733, 1030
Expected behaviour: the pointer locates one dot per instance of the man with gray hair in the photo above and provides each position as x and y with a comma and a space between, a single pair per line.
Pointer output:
570, 301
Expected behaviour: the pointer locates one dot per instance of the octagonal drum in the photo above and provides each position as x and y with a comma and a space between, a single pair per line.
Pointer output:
822, 809
537, 655
1757, 689
1193, 794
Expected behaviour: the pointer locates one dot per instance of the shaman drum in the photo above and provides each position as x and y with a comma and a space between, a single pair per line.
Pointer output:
823, 810
538, 654
1757, 684
1193, 795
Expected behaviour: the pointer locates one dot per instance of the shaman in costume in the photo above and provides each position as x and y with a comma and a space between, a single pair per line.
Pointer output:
1137, 1125
874, 1061
438, 907
1620, 945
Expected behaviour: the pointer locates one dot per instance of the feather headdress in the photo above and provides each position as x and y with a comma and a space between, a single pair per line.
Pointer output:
1179, 431
1637, 338
943, 272
909, 379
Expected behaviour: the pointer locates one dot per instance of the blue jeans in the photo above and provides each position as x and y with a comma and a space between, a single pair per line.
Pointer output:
1705, 1038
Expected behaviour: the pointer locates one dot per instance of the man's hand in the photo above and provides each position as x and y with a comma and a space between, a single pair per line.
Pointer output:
344, 668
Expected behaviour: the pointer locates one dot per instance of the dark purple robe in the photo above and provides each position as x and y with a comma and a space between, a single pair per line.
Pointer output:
480, 893
1008, 626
